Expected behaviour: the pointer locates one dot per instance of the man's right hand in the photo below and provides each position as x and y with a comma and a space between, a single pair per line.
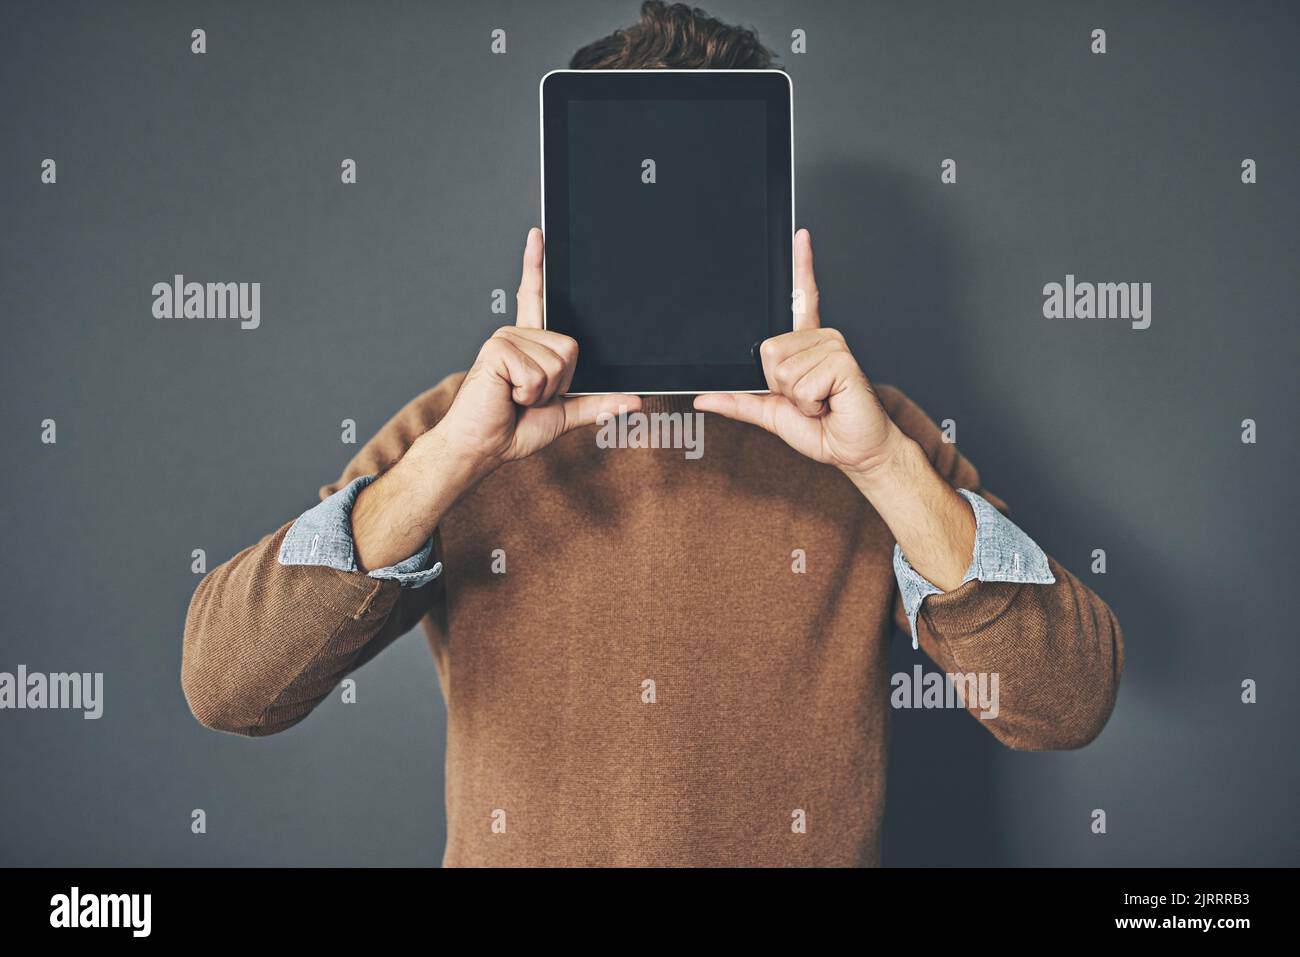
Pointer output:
510, 404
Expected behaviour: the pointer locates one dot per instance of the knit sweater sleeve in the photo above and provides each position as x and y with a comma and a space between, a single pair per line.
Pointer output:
264, 643
1056, 649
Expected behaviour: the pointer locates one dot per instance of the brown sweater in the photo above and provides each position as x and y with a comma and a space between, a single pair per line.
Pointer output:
771, 688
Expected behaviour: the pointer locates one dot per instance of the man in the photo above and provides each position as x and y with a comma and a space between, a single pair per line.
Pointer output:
649, 659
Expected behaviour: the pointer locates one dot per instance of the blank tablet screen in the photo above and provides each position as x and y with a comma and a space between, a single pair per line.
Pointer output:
672, 272
667, 227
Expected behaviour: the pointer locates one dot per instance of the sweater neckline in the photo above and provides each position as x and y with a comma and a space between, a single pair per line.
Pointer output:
667, 403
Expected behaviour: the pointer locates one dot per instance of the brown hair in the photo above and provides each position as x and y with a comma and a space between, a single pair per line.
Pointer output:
675, 37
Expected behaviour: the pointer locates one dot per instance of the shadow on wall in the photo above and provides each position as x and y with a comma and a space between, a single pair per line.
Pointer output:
885, 271
888, 268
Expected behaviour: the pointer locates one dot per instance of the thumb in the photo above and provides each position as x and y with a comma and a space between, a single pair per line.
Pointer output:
807, 308
580, 410
742, 406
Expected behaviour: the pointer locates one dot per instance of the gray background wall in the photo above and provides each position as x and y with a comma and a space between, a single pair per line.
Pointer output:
225, 166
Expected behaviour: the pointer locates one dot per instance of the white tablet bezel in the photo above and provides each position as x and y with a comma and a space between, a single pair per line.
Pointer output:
541, 118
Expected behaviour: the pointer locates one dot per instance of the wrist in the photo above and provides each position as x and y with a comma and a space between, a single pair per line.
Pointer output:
444, 470
396, 514
897, 460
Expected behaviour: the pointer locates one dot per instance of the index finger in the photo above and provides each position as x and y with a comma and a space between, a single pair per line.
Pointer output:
528, 300
806, 312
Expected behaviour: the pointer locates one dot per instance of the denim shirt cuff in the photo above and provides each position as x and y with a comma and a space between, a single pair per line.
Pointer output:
1003, 553
322, 535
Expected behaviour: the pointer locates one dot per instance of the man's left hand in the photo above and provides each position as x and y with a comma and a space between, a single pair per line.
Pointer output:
820, 402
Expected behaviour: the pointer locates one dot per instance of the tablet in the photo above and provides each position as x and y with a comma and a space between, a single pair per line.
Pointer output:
668, 210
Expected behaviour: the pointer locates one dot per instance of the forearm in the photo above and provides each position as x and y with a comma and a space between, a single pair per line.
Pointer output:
264, 641
1056, 651
1053, 646
933, 525
394, 516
